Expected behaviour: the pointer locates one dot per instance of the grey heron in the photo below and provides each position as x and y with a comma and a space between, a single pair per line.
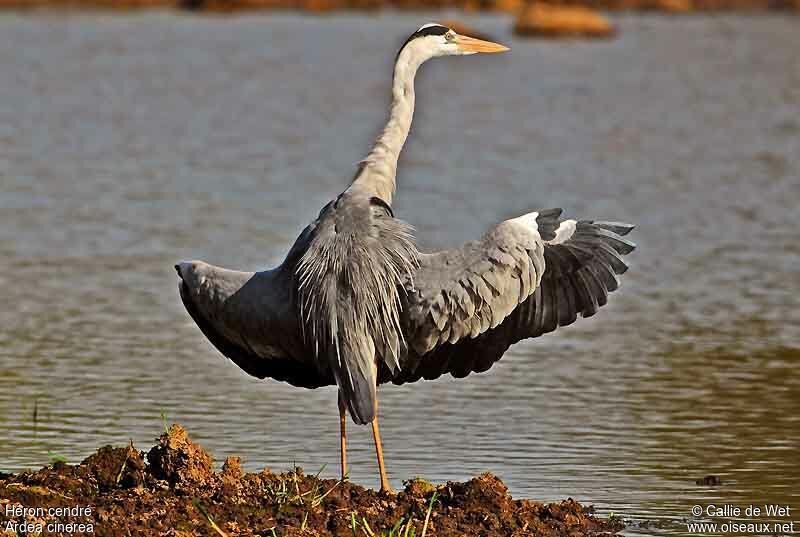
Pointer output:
355, 304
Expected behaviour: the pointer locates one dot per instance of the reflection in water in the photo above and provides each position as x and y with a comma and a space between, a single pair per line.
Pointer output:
128, 143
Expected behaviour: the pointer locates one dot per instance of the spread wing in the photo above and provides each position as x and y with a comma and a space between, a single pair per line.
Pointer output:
247, 317
524, 278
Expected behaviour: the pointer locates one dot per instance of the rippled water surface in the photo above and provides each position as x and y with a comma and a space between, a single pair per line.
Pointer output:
127, 143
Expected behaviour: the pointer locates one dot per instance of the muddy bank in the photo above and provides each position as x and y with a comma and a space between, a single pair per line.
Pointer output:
172, 490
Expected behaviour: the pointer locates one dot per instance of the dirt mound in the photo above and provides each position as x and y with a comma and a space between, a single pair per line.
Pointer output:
114, 468
179, 461
177, 493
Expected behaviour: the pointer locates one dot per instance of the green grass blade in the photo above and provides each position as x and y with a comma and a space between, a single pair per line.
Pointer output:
428, 514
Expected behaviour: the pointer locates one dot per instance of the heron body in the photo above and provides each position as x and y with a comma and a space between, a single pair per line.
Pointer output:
356, 304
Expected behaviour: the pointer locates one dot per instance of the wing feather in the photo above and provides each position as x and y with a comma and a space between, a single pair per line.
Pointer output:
242, 316
513, 284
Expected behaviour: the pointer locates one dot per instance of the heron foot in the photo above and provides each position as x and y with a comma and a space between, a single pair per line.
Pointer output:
387, 489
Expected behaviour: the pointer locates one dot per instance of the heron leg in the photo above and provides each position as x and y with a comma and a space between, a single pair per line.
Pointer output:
376, 434
343, 435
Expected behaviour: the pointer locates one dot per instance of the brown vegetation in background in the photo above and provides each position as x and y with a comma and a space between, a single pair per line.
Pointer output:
537, 18
110, 5
325, 6
548, 20
174, 491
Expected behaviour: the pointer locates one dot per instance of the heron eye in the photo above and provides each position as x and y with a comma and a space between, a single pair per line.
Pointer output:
449, 36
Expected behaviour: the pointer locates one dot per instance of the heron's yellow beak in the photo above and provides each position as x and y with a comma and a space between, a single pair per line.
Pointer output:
470, 44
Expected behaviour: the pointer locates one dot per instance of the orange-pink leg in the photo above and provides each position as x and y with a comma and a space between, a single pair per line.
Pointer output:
376, 435
343, 435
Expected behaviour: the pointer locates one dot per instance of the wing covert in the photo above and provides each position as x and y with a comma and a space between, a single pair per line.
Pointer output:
463, 292
581, 264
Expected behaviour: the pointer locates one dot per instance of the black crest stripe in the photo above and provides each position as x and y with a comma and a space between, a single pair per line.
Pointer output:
422, 32
431, 30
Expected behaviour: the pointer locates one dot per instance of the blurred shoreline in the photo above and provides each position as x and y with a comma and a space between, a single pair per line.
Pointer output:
329, 6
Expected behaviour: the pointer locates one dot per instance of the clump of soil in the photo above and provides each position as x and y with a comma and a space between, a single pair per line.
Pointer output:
179, 461
177, 493
107, 471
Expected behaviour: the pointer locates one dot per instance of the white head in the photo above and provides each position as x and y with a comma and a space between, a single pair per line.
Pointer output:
432, 40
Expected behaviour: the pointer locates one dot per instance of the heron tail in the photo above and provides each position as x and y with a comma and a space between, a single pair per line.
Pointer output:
356, 371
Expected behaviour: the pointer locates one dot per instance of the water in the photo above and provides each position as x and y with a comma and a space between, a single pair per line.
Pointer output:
130, 142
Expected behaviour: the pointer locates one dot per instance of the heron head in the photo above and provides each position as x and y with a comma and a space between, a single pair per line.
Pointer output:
432, 40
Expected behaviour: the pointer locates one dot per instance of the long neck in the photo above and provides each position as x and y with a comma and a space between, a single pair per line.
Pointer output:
379, 170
